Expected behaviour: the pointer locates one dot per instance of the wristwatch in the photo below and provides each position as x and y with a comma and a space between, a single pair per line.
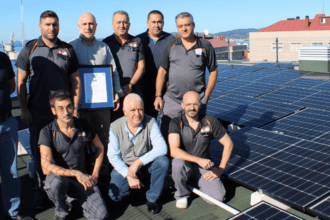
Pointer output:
76, 108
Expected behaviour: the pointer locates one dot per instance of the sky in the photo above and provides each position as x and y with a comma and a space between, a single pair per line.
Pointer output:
214, 15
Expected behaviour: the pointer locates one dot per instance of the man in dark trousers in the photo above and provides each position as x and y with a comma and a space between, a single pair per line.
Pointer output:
153, 41
50, 64
64, 144
10, 182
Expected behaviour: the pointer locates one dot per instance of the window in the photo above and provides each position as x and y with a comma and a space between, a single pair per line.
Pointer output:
295, 46
280, 47
322, 20
317, 44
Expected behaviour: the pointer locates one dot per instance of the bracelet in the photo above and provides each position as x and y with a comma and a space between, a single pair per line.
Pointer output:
129, 178
131, 84
76, 107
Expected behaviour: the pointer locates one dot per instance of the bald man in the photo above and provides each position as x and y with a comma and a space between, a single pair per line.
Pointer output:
93, 52
189, 140
136, 147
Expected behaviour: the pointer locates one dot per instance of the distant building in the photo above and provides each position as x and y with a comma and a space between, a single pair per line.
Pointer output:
292, 34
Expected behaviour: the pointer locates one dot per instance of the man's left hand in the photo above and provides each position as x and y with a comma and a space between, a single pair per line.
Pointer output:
76, 113
132, 170
127, 89
116, 102
94, 180
213, 174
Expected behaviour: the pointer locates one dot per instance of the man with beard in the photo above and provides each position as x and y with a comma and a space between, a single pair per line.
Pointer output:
189, 140
50, 64
182, 69
154, 41
129, 57
93, 52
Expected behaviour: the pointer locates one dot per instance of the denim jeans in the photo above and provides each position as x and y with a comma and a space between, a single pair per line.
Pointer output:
119, 188
11, 184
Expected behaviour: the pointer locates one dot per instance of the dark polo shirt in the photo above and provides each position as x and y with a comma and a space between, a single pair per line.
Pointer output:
126, 56
68, 153
6, 74
186, 68
197, 142
49, 70
153, 51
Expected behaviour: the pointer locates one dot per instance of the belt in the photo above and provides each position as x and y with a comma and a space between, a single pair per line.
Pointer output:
4, 118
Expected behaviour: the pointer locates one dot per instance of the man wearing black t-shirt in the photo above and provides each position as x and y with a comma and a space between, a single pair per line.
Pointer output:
189, 139
64, 144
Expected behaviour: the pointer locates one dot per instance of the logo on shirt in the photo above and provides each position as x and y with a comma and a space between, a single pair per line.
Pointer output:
198, 51
206, 130
63, 52
81, 134
132, 44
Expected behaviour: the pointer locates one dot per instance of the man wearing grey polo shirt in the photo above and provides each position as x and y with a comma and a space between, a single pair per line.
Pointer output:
183, 64
93, 52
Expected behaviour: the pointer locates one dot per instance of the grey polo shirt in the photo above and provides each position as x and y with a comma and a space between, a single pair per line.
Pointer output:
186, 68
49, 70
126, 56
97, 53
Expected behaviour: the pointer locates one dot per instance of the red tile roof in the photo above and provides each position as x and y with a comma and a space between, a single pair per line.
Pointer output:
220, 43
297, 25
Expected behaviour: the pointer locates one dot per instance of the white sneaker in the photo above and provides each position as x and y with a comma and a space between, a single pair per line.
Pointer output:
182, 203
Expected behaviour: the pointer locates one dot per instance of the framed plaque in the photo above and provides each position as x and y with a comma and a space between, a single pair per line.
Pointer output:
96, 87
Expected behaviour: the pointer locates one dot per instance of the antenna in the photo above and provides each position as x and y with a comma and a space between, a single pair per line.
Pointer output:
323, 6
22, 21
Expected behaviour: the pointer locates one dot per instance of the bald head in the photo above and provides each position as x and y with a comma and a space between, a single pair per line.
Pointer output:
87, 27
131, 98
190, 95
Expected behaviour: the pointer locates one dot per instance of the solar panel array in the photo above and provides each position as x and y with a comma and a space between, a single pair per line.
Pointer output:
321, 208
262, 211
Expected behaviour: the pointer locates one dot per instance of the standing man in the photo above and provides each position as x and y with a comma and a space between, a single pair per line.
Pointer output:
183, 62
153, 41
93, 52
50, 64
129, 56
137, 146
11, 184
189, 139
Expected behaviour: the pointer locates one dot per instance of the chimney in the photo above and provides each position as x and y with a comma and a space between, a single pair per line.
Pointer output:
196, 34
176, 35
211, 36
297, 18
203, 36
219, 37
307, 22
223, 37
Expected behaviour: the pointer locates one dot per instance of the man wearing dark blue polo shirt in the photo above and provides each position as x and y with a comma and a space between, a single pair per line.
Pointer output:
129, 57
50, 64
153, 41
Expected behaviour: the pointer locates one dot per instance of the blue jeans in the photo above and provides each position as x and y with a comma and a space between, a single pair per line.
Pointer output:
11, 184
119, 188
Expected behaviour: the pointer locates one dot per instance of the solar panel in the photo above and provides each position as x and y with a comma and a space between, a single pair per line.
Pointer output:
266, 65
264, 210
269, 71
250, 77
323, 139
290, 170
258, 113
288, 94
321, 209
230, 74
228, 85
227, 103
216, 94
319, 100
254, 89
286, 66
304, 83
276, 79
323, 87
307, 124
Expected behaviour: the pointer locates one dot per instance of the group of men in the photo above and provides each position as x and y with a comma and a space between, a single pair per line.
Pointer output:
61, 135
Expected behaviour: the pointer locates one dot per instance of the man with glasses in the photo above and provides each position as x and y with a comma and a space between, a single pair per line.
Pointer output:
183, 64
189, 140
137, 148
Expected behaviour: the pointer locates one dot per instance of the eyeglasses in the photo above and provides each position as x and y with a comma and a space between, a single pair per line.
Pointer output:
62, 109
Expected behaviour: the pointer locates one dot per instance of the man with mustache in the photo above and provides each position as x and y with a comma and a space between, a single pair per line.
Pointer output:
93, 52
63, 147
128, 54
153, 41
49, 64
182, 69
189, 140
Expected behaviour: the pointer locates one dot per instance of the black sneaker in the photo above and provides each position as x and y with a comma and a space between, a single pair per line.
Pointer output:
153, 207
19, 216
40, 200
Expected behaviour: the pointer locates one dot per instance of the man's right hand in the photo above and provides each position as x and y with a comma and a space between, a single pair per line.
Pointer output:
84, 180
135, 183
158, 103
205, 163
26, 117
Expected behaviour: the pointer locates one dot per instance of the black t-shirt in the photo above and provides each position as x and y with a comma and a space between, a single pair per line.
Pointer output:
68, 153
197, 142
49, 70
6, 74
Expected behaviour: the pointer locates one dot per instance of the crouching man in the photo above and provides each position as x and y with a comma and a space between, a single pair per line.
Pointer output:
63, 148
137, 146
189, 139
